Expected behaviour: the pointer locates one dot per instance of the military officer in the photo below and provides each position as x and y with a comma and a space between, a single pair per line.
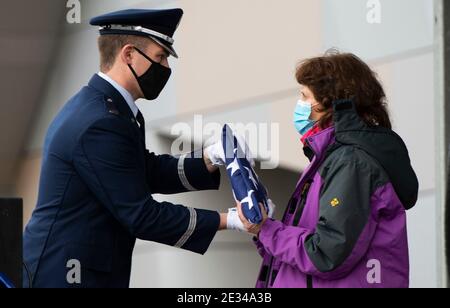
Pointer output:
97, 177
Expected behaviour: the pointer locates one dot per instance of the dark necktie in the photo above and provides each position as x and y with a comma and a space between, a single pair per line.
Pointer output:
141, 121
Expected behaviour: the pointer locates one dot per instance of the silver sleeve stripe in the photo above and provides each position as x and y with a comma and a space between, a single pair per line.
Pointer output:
182, 174
190, 230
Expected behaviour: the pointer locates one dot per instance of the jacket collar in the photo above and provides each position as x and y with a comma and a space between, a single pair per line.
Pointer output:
345, 119
318, 144
124, 92
111, 95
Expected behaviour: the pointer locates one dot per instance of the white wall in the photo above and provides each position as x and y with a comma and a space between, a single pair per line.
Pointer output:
423, 242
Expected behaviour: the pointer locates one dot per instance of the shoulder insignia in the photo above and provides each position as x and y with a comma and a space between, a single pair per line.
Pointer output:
111, 106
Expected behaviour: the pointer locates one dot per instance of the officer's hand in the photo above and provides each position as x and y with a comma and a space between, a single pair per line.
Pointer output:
212, 167
234, 222
246, 226
216, 155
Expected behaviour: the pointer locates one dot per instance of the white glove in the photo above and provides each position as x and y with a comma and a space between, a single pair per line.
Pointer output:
216, 153
272, 208
234, 222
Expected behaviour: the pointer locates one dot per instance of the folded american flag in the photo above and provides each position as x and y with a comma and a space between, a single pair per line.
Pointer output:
247, 188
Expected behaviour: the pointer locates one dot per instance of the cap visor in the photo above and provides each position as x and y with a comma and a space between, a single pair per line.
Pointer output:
168, 48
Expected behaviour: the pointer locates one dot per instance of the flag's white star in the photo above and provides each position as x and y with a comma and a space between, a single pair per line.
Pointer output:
234, 166
249, 199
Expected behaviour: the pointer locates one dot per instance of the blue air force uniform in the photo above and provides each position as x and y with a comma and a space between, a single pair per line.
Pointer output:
95, 194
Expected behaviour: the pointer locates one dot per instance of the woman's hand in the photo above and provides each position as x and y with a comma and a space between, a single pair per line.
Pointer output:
248, 226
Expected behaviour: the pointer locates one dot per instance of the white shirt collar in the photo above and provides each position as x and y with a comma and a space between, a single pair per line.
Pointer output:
126, 95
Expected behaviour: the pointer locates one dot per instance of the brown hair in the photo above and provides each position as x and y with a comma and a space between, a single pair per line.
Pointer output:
110, 45
337, 76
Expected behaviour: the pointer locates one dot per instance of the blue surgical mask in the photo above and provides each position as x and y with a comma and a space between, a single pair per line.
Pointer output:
302, 115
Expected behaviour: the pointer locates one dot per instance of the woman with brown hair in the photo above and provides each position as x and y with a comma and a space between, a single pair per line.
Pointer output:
345, 225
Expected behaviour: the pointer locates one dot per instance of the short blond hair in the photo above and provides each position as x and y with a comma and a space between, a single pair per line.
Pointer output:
110, 45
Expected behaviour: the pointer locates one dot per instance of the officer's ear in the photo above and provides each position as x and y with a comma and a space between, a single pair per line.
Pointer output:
126, 54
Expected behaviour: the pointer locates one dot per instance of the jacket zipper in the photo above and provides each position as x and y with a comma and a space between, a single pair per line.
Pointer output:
268, 277
301, 207
297, 217
309, 282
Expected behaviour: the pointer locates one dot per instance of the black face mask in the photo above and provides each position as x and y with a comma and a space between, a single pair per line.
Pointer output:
153, 81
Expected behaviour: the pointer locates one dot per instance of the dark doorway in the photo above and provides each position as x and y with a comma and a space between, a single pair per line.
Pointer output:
11, 240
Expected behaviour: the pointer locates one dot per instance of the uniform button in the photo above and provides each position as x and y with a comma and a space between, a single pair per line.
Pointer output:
109, 100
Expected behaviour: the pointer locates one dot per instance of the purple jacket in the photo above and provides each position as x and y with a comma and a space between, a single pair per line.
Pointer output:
345, 225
